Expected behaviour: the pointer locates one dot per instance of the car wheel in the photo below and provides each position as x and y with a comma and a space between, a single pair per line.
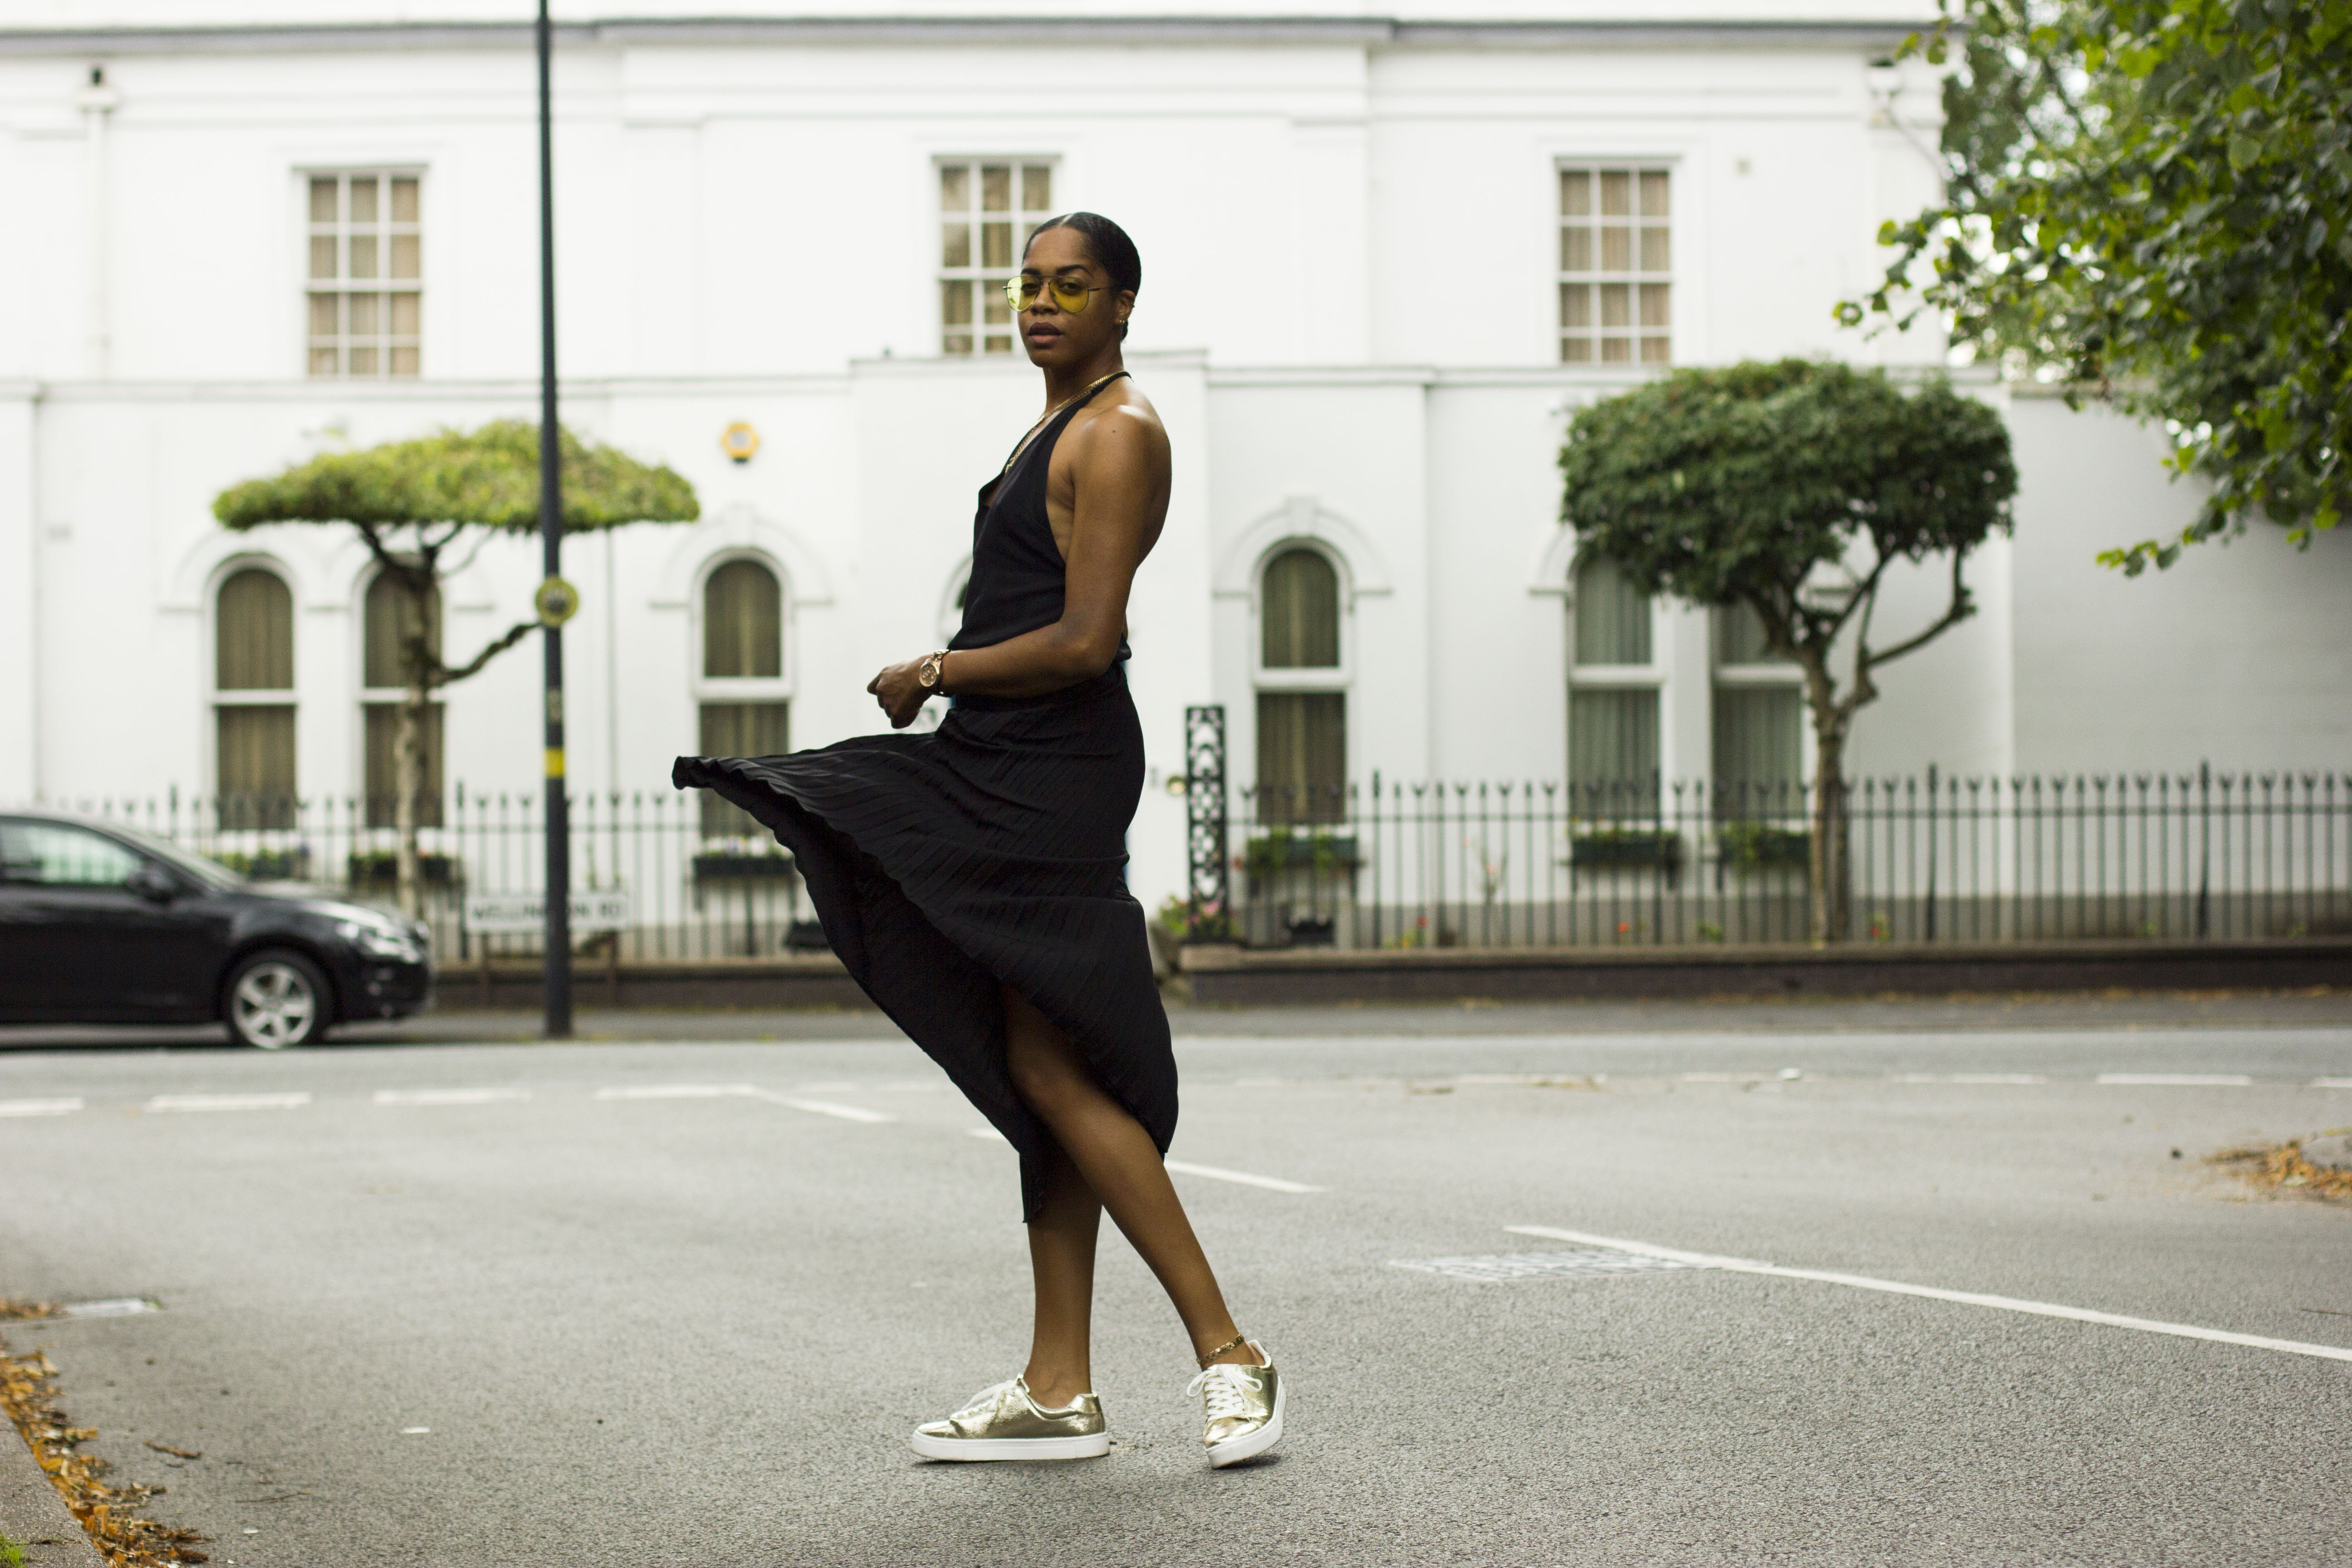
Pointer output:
276, 1001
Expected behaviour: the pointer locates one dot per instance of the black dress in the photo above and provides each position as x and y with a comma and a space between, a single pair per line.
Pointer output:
992, 849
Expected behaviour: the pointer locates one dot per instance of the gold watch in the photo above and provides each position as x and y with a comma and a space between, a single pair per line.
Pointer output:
933, 670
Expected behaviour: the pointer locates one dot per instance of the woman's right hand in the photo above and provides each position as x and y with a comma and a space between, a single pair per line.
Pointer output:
900, 691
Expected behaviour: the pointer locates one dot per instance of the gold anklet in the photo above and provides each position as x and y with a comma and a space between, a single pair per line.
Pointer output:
1230, 1345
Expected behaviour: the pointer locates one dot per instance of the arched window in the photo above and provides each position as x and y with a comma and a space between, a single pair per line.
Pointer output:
743, 622
253, 699
389, 619
1612, 696
1302, 701
743, 706
1759, 721
1300, 626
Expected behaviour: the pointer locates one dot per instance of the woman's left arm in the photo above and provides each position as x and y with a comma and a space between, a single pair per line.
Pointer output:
1119, 473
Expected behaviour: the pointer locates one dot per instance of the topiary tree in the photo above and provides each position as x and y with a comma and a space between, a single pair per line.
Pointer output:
1792, 488
412, 502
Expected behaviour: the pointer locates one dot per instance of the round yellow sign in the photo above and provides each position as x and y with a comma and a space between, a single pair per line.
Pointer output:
557, 602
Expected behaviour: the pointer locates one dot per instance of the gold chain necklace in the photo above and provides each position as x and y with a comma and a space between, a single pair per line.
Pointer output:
1047, 418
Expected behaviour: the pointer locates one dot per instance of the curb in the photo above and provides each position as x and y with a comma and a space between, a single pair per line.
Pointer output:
33, 1515
1230, 975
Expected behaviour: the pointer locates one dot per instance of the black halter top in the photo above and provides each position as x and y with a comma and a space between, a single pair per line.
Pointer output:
1017, 571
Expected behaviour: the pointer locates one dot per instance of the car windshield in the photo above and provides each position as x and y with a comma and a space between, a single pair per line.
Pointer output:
211, 873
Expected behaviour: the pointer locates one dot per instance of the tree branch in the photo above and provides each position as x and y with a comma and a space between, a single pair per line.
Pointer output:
376, 547
481, 540
513, 634
1962, 608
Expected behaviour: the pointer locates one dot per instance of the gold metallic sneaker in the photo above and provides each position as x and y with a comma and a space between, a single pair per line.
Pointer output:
1006, 1423
1241, 1407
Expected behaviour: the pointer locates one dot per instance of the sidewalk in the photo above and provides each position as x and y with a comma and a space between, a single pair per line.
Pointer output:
32, 1515
2127, 1011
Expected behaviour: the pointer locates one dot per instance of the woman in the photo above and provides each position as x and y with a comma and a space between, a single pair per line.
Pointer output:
970, 879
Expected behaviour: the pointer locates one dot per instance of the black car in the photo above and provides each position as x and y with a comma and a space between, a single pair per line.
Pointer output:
104, 924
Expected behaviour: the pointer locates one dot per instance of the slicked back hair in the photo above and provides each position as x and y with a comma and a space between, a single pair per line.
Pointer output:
1107, 244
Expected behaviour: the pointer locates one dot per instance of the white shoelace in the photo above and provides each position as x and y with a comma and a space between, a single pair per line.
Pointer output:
1217, 1385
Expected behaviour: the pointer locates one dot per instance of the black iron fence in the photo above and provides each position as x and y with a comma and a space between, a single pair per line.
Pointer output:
651, 879
2208, 853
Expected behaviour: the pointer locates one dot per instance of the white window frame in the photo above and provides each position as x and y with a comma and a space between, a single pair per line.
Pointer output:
778, 687
1677, 288
394, 696
1655, 677
940, 273
1618, 677
1289, 681
1750, 677
343, 284
286, 696
1334, 677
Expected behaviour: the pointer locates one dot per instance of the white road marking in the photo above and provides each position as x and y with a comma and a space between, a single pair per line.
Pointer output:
39, 1107
165, 1103
448, 1096
1538, 1079
1970, 1077
1505, 1267
416, 1431
742, 1091
989, 1132
1218, 1173
115, 1307
667, 1092
819, 1107
2181, 1079
1966, 1297
2331, 1083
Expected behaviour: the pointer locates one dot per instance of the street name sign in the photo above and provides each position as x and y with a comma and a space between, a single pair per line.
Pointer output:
608, 910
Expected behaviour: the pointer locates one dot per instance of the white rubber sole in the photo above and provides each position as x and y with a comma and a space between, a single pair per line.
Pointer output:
973, 1449
1249, 1446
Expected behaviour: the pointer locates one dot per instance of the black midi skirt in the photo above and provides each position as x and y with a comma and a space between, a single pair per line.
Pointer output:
992, 849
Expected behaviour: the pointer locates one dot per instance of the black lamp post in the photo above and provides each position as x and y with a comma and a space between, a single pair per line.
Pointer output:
557, 978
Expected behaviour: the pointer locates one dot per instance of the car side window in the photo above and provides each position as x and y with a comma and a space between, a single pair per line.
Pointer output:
55, 854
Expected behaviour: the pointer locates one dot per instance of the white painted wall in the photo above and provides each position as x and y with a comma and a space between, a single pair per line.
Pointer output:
1347, 322
2236, 656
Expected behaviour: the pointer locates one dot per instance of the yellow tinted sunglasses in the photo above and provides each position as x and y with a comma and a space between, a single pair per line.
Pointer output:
1070, 295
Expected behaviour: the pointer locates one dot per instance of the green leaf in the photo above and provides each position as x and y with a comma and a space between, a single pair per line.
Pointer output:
2152, 200
487, 477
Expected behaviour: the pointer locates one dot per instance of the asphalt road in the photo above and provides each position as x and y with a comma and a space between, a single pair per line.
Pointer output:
515, 1304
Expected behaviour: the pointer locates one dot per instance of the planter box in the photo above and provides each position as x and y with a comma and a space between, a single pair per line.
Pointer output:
1752, 847
1630, 847
1274, 852
381, 868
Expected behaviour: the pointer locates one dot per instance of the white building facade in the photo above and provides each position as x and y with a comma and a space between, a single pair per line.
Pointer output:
1385, 258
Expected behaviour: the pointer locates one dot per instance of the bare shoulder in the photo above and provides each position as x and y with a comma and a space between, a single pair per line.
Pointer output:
1119, 428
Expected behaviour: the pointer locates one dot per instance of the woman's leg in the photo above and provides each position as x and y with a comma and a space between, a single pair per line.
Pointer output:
1062, 1261
1113, 1155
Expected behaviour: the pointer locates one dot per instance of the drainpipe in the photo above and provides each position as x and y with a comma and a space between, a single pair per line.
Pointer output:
97, 101
1885, 81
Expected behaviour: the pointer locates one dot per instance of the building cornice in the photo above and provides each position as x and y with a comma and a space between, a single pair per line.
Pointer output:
1377, 33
